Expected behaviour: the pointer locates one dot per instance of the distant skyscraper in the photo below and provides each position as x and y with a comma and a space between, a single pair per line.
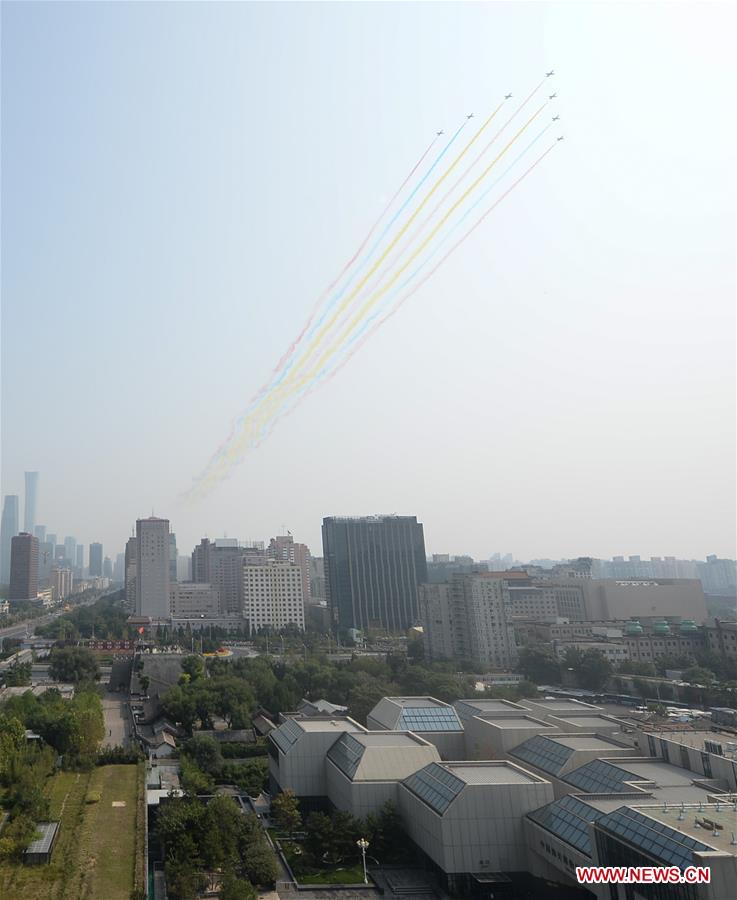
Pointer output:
220, 563
119, 569
51, 539
23, 567
184, 568
29, 510
45, 563
95, 560
131, 551
8, 530
373, 567
107, 568
172, 557
39, 531
70, 549
152, 567
79, 561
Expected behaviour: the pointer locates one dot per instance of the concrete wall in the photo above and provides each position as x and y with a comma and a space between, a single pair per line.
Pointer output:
302, 769
489, 739
481, 831
724, 767
357, 797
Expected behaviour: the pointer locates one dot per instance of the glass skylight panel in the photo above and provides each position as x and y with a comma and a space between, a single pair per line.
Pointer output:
568, 819
431, 718
543, 753
654, 838
436, 786
346, 753
286, 735
601, 777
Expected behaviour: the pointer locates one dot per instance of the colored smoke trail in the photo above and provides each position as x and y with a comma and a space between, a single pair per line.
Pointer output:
351, 325
324, 378
421, 227
316, 341
376, 296
238, 422
324, 374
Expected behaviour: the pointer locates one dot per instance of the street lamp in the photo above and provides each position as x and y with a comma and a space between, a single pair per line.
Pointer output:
363, 844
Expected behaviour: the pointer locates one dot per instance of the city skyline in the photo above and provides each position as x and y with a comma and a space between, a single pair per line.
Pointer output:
486, 551
563, 387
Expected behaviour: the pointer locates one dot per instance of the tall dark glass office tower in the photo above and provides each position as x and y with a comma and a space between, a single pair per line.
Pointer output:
95, 557
23, 567
373, 566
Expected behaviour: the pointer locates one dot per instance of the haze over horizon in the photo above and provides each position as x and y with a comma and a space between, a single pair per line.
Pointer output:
175, 198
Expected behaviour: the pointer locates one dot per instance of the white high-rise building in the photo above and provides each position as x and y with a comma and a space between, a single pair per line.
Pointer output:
152, 568
284, 549
273, 596
62, 584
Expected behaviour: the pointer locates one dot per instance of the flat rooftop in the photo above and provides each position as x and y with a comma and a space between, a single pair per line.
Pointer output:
519, 722
336, 723
587, 742
491, 705
662, 773
686, 822
695, 739
490, 773
388, 738
553, 705
589, 721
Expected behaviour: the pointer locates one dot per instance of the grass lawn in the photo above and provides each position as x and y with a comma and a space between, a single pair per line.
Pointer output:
352, 875
95, 850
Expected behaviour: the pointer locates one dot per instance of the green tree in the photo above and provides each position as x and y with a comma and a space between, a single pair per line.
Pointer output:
73, 664
194, 780
259, 863
204, 750
594, 670
699, 675
387, 835
18, 674
193, 666
234, 888
319, 828
12, 742
539, 666
285, 811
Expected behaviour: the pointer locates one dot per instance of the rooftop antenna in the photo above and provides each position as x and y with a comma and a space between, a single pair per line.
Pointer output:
682, 813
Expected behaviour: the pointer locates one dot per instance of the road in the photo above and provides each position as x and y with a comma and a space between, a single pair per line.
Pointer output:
117, 724
27, 628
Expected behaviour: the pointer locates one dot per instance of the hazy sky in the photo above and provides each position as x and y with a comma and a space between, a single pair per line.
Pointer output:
180, 181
